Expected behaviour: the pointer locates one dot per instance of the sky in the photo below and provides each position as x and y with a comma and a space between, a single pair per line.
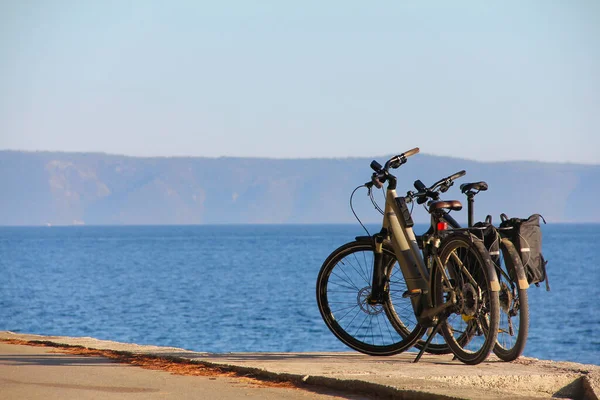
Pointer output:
483, 80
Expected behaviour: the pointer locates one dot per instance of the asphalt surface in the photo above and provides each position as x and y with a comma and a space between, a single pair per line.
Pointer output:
130, 371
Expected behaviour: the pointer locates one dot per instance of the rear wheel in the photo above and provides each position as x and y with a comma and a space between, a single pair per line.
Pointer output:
343, 288
471, 326
514, 307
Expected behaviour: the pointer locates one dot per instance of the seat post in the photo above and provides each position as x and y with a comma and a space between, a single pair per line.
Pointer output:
470, 202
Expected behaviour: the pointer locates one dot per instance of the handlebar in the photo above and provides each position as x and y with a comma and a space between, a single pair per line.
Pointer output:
445, 183
432, 192
382, 174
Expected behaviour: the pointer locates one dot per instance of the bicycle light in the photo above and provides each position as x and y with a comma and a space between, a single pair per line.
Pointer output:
442, 226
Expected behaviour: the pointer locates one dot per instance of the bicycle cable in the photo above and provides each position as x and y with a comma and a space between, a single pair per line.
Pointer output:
352, 207
374, 201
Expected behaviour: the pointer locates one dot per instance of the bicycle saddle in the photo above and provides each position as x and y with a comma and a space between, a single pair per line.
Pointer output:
480, 186
453, 205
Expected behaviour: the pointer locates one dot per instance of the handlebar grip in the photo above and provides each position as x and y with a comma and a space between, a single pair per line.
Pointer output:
411, 152
457, 175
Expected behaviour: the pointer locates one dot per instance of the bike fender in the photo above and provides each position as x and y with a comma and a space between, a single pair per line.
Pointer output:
494, 283
489, 264
517, 265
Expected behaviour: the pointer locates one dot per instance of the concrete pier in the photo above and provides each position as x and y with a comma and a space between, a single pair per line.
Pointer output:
433, 377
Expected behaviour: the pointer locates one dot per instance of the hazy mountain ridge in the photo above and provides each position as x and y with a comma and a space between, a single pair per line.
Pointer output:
41, 188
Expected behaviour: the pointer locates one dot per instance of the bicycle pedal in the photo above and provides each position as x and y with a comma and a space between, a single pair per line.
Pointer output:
412, 293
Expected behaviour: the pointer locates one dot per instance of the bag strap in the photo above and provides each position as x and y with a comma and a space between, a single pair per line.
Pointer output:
544, 262
538, 216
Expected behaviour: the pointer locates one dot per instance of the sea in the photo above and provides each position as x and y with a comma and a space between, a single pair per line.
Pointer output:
243, 288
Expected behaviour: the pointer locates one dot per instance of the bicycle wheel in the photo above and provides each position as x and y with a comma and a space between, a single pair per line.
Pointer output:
514, 307
343, 287
471, 326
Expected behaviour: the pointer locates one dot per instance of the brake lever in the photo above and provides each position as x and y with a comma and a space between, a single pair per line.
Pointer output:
421, 198
375, 181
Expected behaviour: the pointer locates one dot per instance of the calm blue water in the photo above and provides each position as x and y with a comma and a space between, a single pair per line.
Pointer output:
242, 288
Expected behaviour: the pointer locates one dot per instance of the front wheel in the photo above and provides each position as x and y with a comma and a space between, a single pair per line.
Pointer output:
465, 278
343, 290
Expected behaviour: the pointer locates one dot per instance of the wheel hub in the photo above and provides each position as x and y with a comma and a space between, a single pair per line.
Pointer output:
363, 298
470, 303
506, 298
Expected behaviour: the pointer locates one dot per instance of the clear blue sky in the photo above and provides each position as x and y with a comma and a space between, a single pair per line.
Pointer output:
486, 80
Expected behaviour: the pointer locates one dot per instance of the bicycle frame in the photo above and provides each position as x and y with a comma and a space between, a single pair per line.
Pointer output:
404, 243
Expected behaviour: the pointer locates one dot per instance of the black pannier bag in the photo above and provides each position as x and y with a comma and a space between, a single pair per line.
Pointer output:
526, 235
491, 239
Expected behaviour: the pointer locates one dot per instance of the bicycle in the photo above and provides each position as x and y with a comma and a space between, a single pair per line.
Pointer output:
514, 304
514, 308
366, 301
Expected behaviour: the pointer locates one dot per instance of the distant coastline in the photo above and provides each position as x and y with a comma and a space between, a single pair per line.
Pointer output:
59, 188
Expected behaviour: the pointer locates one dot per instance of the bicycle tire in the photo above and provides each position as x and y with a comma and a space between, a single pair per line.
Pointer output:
471, 326
513, 305
343, 284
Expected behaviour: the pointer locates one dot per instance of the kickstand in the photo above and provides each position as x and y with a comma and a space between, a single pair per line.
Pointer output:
431, 335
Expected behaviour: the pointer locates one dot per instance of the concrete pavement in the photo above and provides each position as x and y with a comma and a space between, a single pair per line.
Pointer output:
42, 373
361, 375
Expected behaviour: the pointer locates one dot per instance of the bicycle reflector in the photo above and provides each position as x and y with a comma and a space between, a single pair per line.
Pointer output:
442, 226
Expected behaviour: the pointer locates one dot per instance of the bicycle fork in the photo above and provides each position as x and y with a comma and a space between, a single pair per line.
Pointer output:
378, 282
